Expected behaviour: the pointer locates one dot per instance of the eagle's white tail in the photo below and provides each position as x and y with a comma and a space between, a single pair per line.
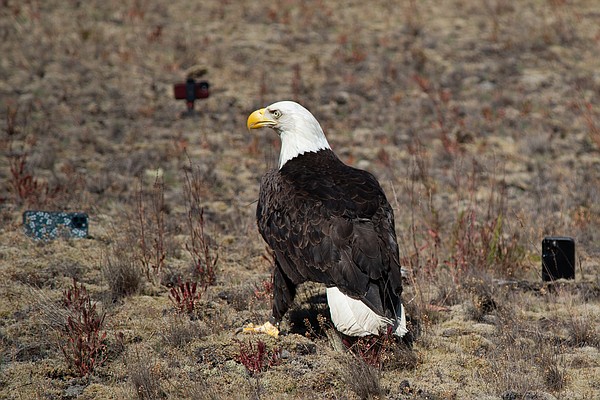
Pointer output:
401, 323
353, 318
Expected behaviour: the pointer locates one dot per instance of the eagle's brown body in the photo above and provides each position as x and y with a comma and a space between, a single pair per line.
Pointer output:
328, 222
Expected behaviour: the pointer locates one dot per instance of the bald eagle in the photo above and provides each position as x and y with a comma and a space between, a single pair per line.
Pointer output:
331, 223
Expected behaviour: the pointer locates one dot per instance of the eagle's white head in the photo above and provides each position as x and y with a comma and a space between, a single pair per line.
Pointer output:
298, 129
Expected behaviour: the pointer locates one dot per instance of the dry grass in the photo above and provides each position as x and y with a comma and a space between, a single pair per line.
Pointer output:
179, 330
122, 273
479, 118
362, 378
145, 377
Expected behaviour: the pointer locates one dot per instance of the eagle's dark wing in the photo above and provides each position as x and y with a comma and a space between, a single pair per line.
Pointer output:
330, 223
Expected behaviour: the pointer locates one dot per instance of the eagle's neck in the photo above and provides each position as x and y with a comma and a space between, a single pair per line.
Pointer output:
301, 141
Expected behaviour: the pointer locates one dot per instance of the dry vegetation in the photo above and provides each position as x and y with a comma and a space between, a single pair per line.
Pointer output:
480, 118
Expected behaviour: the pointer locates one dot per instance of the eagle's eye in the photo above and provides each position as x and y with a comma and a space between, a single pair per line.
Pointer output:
276, 114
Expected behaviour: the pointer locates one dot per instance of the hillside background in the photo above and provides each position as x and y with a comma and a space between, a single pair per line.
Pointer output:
480, 118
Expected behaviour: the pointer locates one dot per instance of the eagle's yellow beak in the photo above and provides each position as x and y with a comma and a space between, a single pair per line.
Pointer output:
258, 120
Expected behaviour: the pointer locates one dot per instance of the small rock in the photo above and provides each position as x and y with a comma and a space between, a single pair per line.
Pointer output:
363, 164
342, 98
285, 354
509, 395
534, 79
73, 391
538, 396
450, 332
486, 86
306, 348
405, 387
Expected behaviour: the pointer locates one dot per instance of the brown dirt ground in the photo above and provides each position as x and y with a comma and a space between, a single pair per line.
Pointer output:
480, 118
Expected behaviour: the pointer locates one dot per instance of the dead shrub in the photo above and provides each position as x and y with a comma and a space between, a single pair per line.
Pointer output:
369, 349
200, 246
151, 230
83, 339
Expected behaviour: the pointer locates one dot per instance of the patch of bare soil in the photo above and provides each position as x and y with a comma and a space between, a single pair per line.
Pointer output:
481, 119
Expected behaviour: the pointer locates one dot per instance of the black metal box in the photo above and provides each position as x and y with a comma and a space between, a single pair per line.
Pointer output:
558, 258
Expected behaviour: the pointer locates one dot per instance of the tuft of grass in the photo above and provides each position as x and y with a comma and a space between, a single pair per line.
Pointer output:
363, 379
145, 377
179, 331
554, 375
256, 358
582, 331
122, 273
202, 390
264, 290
